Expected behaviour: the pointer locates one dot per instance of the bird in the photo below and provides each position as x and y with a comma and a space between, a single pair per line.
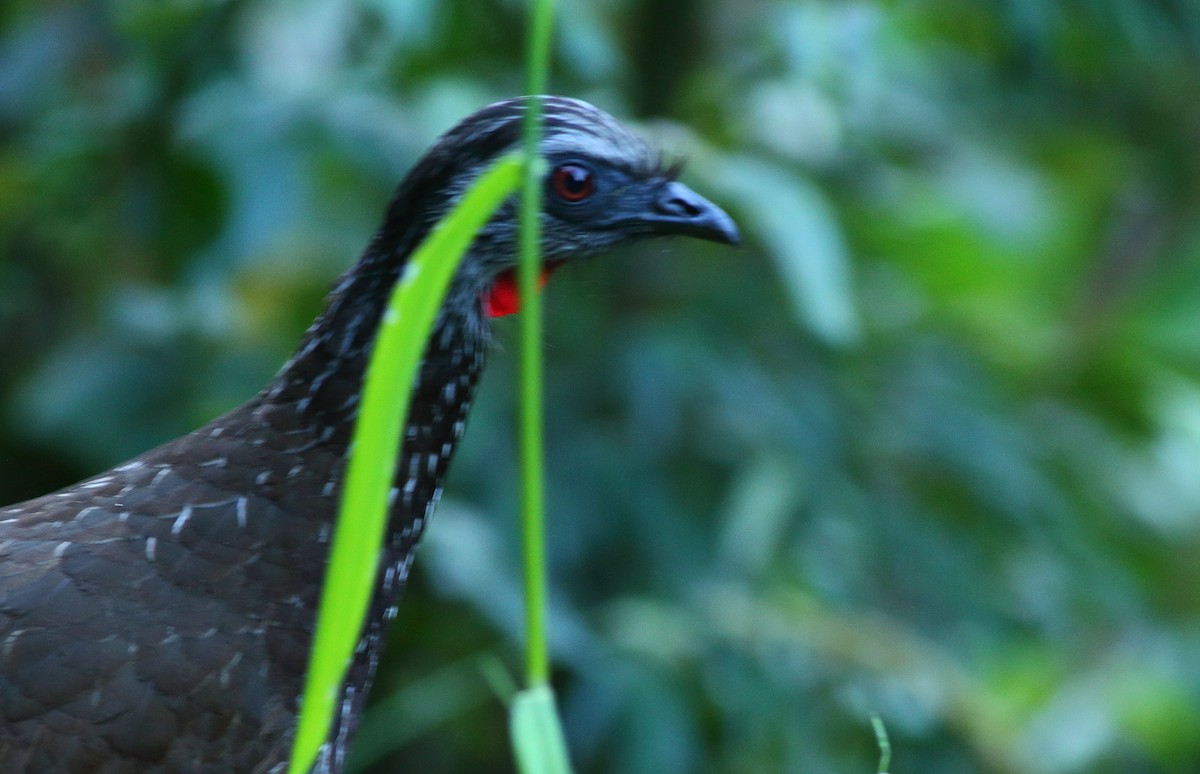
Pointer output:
157, 617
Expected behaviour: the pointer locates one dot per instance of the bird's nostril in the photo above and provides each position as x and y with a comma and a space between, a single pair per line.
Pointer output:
677, 201
679, 206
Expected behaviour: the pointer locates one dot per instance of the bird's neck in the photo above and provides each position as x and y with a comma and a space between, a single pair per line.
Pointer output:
322, 382
312, 404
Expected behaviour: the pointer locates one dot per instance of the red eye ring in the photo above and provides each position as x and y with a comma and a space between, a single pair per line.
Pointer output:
572, 182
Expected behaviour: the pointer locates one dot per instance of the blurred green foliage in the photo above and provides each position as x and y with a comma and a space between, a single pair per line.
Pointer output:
929, 446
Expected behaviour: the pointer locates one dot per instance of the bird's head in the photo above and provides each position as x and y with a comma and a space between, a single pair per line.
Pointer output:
603, 186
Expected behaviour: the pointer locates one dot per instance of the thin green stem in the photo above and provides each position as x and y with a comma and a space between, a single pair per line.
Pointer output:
530, 433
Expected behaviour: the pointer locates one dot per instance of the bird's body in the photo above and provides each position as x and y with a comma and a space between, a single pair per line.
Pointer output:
158, 617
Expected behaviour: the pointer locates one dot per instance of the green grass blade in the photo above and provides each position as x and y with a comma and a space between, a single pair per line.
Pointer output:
536, 734
531, 453
399, 347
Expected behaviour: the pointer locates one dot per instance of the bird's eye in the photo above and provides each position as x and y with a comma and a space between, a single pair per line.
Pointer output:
572, 182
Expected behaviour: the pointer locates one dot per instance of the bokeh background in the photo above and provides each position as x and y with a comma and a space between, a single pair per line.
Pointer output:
927, 446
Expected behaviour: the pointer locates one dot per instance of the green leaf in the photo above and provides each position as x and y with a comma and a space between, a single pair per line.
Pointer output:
536, 733
399, 347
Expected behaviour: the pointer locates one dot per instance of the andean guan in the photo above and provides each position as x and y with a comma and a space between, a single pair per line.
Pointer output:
158, 617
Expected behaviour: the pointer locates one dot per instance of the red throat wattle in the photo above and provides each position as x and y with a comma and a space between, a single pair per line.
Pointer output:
504, 298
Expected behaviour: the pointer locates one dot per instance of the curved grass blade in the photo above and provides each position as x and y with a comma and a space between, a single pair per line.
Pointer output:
399, 347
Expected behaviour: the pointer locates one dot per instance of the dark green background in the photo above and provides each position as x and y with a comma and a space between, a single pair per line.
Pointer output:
928, 445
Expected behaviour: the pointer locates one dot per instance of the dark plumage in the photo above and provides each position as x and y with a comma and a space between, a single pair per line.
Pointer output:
158, 616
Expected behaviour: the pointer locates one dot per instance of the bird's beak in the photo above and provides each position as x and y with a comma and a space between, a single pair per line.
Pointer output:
678, 209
